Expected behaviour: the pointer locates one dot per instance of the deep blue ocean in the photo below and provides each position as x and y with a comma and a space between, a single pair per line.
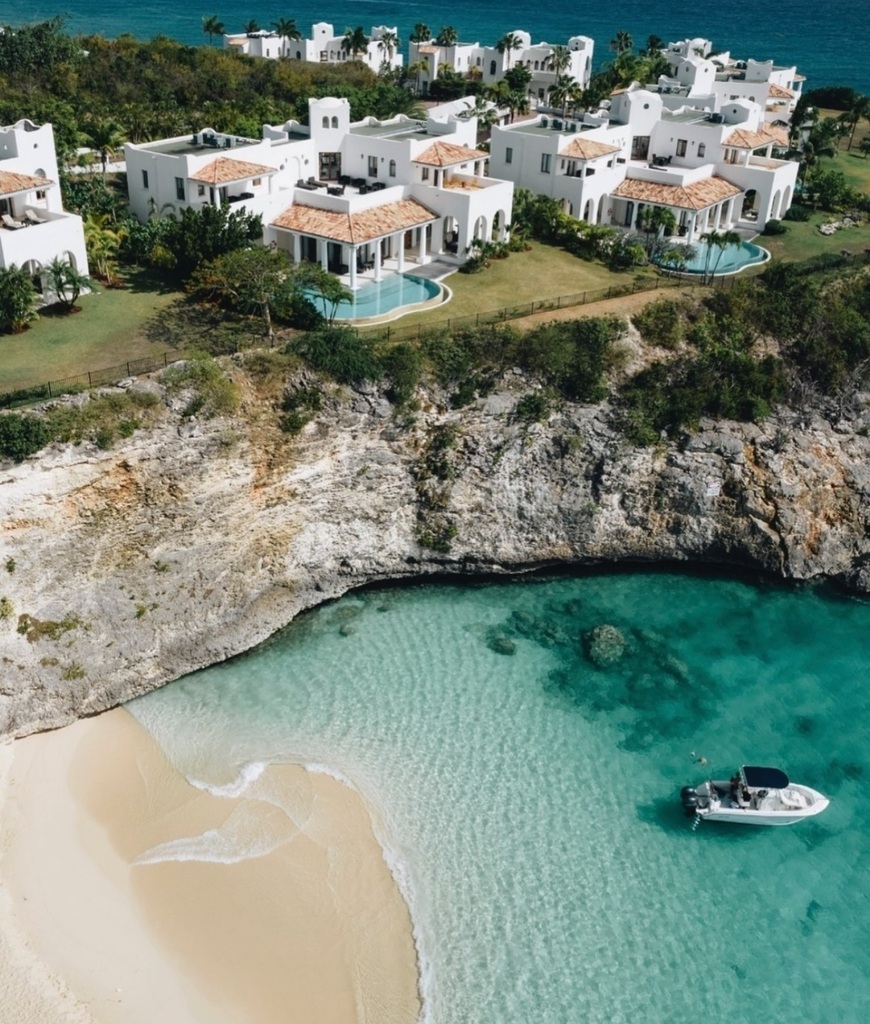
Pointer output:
829, 42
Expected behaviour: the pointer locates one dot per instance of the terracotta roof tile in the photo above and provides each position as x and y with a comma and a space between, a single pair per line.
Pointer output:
741, 138
10, 182
697, 196
778, 92
587, 149
428, 49
443, 154
355, 228
224, 170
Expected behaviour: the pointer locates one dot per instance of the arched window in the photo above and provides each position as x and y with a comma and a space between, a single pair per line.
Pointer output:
326, 122
335, 122
392, 168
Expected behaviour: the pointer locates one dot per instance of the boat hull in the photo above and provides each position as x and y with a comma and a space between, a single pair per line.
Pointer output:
718, 801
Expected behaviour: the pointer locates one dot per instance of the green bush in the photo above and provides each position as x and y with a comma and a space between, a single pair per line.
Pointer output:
662, 323
338, 351
214, 393
774, 227
798, 213
21, 436
402, 365
533, 407
572, 355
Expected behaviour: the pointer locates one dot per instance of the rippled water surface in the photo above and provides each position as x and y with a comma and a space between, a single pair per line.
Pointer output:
528, 799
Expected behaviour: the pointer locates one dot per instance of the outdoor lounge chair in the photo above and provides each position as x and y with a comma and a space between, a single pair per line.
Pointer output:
11, 222
32, 217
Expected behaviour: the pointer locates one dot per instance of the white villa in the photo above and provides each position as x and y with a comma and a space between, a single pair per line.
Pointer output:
360, 199
712, 164
34, 228
324, 46
491, 65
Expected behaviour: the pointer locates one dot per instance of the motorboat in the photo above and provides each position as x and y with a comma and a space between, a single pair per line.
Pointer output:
753, 796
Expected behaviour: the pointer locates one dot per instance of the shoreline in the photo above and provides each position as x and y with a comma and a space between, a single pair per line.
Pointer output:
122, 895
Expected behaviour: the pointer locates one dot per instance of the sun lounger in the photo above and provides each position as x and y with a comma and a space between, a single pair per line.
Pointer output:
11, 222
33, 217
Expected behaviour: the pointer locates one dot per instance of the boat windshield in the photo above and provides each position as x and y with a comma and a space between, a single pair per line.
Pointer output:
763, 778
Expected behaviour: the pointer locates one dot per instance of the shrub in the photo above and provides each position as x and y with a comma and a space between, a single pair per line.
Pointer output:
572, 356
215, 394
662, 323
17, 299
774, 227
340, 352
533, 407
798, 213
403, 365
21, 436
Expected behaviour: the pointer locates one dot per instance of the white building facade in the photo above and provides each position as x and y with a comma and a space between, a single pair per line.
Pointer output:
34, 227
360, 199
714, 167
324, 46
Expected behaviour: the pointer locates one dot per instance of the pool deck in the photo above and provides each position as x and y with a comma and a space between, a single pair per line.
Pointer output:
434, 270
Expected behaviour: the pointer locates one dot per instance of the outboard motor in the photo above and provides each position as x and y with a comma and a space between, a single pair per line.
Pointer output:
689, 800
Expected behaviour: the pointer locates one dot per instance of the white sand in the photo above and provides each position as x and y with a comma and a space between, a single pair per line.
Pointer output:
314, 930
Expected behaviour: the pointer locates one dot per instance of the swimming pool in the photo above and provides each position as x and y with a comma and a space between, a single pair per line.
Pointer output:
377, 298
733, 258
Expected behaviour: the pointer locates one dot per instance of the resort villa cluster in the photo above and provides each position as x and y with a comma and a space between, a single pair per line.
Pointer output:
707, 141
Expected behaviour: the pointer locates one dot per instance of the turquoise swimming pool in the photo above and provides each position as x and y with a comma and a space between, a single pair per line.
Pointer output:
377, 298
733, 258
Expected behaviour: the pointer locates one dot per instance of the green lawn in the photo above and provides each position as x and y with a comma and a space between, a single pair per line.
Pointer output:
114, 325
545, 272
803, 239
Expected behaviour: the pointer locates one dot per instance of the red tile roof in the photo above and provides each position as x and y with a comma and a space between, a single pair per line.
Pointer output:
355, 228
742, 138
11, 182
587, 149
443, 154
696, 196
225, 170
780, 93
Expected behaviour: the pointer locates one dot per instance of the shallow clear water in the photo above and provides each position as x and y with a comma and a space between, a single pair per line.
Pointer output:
529, 801
376, 298
732, 259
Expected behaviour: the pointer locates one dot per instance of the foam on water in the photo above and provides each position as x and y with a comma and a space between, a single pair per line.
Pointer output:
527, 804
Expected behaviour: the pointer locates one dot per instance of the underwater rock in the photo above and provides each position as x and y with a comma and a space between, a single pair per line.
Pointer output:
605, 645
501, 644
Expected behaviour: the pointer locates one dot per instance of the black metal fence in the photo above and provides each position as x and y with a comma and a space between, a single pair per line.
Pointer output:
455, 323
83, 381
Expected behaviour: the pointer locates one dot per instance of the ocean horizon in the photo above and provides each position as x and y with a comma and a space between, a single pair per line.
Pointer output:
830, 47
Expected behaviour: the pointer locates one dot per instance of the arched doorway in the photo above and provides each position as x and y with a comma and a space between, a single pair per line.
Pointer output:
480, 228
786, 201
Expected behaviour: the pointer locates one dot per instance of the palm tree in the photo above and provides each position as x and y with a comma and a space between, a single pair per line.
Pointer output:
447, 36
251, 28
563, 92
212, 27
287, 30
355, 41
67, 282
485, 112
859, 110
103, 242
560, 59
508, 42
621, 43
416, 69
421, 33
719, 241
388, 44
653, 45
104, 136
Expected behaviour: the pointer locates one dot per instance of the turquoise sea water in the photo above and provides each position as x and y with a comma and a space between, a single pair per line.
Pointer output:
829, 43
528, 802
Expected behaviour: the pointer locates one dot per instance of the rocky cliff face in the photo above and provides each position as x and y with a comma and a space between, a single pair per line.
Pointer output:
188, 544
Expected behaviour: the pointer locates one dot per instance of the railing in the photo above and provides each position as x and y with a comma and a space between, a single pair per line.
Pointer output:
417, 331
83, 381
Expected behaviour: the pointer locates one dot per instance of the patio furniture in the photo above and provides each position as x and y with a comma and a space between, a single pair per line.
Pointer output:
335, 190
344, 179
32, 217
10, 222
377, 186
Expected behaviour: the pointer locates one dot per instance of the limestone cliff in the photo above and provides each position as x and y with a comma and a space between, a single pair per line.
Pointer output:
192, 542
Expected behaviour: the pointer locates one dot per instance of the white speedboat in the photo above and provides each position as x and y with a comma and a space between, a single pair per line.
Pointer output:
753, 796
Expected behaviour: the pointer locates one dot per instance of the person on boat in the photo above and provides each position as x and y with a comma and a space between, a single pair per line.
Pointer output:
735, 787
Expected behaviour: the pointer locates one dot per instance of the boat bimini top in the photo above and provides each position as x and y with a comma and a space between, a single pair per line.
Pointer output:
755, 777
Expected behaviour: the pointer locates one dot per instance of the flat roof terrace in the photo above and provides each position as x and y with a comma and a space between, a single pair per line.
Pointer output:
387, 131
568, 128
187, 147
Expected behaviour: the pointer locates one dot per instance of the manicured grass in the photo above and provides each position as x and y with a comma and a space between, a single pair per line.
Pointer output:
803, 239
114, 325
545, 272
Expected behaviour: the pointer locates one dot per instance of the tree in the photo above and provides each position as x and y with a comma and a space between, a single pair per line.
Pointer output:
212, 27
103, 243
864, 147
198, 236
508, 43
251, 28
720, 242
311, 277
17, 299
859, 110
355, 41
564, 92
622, 43
656, 220
416, 69
388, 44
287, 31
654, 44
105, 137
254, 281
67, 283
421, 33
447, 36
560, 59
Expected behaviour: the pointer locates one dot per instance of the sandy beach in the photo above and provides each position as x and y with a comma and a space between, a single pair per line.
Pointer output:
102, 921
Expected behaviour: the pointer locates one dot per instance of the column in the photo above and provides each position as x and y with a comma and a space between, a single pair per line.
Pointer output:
378, 259
690, 234
324, 253
400, 252
423, 258
297, 247
352, 268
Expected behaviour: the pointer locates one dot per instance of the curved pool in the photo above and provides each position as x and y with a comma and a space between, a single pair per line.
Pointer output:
378, 298
732, 260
